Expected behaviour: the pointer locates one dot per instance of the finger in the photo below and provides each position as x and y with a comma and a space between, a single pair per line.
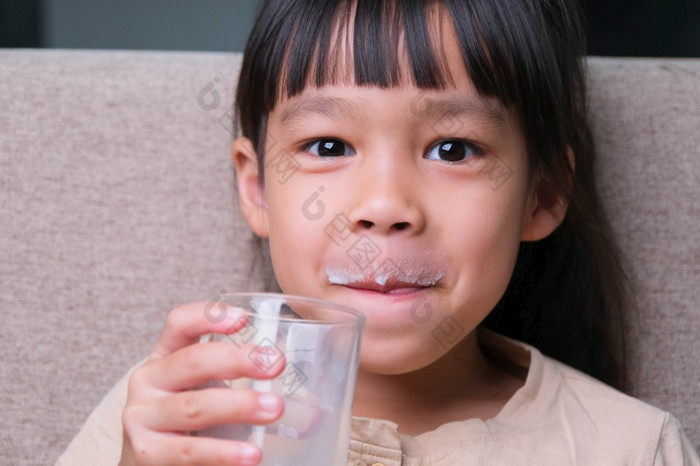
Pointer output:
194, 410
303, 419
197, 364
186, 324
183, 449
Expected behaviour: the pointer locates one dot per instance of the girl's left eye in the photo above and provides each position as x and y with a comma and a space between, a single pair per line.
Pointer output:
329, 147
453, 150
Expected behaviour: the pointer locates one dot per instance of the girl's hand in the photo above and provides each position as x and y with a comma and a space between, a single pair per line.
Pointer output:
161, 408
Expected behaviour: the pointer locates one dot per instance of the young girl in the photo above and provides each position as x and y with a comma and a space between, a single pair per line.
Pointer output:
429, 164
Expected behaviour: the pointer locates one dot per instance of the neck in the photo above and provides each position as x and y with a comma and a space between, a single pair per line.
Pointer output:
462, 384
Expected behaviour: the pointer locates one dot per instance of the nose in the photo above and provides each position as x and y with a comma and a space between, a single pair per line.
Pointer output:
387, 202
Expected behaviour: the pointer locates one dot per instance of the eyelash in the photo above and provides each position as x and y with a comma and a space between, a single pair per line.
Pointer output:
471, 149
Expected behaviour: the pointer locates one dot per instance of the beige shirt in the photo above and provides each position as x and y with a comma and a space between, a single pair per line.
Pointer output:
560, 416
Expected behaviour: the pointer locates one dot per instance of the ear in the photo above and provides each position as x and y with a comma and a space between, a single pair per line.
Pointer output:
546, 208
251, 196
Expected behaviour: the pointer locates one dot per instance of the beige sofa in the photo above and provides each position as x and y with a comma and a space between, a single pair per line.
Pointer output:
117, 204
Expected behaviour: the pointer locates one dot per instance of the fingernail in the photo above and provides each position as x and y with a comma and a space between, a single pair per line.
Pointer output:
269, 403
248, 454
234, 318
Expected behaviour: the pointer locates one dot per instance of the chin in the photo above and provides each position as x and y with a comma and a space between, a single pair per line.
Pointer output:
394, 357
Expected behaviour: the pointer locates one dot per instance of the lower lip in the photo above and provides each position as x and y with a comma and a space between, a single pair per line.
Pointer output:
385, 311
392, 292
396, 293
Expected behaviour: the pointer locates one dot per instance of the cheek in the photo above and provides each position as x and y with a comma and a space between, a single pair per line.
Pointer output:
295, 223
488, 241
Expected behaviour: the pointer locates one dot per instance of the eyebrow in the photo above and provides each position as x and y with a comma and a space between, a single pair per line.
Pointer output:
475, 106
421, 106
328, 107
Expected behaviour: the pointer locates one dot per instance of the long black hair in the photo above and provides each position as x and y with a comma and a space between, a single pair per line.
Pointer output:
568, 292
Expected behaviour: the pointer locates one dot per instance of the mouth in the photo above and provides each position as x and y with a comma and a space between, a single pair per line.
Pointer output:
394, 288
409, 278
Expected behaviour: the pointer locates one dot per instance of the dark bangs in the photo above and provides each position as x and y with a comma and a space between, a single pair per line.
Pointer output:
508, 50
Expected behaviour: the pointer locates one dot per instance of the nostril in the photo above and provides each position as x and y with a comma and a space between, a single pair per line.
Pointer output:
398, 226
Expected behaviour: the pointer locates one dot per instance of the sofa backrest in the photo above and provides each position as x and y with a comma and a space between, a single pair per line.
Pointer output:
117, 199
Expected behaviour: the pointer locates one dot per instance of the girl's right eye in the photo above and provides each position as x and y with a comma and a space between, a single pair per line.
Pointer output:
328, 148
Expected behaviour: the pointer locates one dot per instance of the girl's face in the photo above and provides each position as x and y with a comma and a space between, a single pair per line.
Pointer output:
408, 205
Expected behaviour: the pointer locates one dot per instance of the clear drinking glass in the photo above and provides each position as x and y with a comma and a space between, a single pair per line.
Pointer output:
321, 342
